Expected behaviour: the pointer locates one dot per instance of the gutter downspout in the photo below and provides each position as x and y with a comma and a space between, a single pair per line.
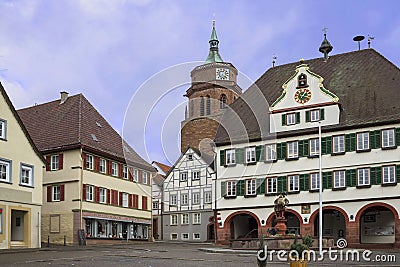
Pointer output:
81, 192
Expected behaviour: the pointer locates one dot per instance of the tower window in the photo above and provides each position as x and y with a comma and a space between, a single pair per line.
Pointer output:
208, 105
202, 106
222, 101
302, 81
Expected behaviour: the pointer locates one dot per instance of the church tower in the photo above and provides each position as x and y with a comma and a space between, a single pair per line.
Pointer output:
213, 87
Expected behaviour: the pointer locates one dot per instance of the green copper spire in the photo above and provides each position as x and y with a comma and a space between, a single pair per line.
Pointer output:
213, 55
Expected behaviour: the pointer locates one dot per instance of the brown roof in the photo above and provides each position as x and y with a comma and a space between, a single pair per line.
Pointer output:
158, 179
73, 124
17, 117
366, 83
163, 167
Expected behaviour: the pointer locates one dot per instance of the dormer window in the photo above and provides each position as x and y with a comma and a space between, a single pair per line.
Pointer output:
302, 81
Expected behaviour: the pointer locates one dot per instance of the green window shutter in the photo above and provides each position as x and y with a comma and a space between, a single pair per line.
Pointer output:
222, 158
297, 117
281, 151
398, 173
327, 180
304, 182
283, 119
308, 116
223, 189
351, 178
378, 175
322, 114
375, 139
260, 153
350, 142
397, 136
303, 148
323, 145
329, 145
372, 175
281, 184
239, 155
240, 188
260, 186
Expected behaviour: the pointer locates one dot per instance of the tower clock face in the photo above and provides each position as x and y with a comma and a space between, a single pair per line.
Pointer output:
302, 96
222, 74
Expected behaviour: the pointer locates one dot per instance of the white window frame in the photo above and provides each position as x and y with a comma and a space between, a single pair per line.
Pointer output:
314, 146
231, 188
250, 154
102, 195
292, 149
230, 156
189, 157
56, 193
173, 219
314, 181
3, 129
103, 165
145, 177
54, 162
293, 183
291, 119
26, 172
388, 174
196, 198
89, 161
183, 176
195, 175
184, 199
363, 141
315, 115
185, 236
196, 218
125, 200
339, 179
338, 145
135, 175
6, 169
125, 172
207, 197
173, 200
196, 236
114, 168
270, 150
251, 187
89, 192
363, 177
174, 236
272, 185
155, 204
388, 138
184, 218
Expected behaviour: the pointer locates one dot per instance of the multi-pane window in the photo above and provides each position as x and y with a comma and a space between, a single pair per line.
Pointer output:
196, 235
363, 141
114, 169
125, 172
315, 182
388, 174
54, 162
135, 175
196, 218
251, 187
271, 152
174, 219
5, 167
230, 188
314, 115
314, 147
173, 200
103, 166
195, 175
196, 198
145, 177
102, 195
89, 192
189, 157
250, 154
272, 185
56, 193
363, 176
339, 179
230, 156
2, 129
291, 119
292, 149
183, 176
155, 205
26, 175
185, 218
338, 144
174, 236
89, 162
185, 236
293, 183
184, 199
388, 138
207, 197
125, 200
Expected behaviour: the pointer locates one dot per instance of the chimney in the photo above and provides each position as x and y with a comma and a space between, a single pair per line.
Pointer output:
64, 96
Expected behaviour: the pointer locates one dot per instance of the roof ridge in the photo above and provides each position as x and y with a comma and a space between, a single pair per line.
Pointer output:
45, 103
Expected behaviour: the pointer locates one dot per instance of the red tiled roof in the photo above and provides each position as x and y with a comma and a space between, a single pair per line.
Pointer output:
72, 124
163, 167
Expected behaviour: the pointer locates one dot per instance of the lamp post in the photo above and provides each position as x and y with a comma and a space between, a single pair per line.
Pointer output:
320, 187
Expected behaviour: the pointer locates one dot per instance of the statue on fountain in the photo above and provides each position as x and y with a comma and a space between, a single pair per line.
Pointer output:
279, 207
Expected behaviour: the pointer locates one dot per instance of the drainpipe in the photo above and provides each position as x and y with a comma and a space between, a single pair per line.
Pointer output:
215, 195
80, 191
38, 219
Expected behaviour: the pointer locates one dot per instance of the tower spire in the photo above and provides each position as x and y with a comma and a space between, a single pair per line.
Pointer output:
326, 46
213, 54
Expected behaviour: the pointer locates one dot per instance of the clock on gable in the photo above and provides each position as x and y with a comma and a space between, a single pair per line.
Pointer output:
221, 74
302, 96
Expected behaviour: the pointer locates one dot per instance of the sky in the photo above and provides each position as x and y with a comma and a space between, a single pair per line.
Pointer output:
132, 58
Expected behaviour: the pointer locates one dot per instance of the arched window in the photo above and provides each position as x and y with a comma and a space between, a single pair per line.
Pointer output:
202, 106
191, 108
222, 101
302, 81
208, 105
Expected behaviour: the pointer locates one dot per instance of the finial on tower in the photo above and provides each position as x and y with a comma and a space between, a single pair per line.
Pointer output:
326, 46
213, 54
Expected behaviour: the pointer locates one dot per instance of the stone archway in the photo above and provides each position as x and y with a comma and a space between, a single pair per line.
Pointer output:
294, 221
242, 225
335, 221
